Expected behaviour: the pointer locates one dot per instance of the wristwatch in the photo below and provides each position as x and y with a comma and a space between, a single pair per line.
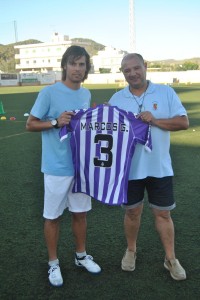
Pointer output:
54, 123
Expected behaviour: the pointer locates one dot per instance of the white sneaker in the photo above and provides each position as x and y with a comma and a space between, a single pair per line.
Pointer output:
176, 270
55, 276
87, 263
128, 261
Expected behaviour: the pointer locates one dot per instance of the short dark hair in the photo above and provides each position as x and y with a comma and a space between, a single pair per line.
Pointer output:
72, 54
132, 55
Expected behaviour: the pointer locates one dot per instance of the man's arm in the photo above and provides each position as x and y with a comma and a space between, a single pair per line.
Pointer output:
35, 124
171, 124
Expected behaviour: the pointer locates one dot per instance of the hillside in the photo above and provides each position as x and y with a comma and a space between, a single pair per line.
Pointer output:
7, 57
7, 52
92, 48
181, 61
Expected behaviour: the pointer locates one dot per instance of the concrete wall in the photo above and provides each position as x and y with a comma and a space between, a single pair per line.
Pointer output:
156, 77
186, 77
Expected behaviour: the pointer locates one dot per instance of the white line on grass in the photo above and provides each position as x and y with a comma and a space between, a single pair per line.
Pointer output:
9, 136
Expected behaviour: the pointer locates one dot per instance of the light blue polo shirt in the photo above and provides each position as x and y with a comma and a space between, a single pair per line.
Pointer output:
50, 103
162, 102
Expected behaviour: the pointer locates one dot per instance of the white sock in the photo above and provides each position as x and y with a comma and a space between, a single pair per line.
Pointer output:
81, 254
53, 262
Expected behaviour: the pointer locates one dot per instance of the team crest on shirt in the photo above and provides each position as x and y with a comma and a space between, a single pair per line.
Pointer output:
155, 105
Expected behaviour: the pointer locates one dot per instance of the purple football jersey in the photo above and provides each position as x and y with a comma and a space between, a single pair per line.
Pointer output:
103, 141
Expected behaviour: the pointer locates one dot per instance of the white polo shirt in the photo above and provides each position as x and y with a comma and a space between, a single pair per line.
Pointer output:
162, 102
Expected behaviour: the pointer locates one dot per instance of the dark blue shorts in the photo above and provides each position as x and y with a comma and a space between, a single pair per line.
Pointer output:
159, 192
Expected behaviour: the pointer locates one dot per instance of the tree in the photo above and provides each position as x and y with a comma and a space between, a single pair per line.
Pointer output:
7, 56
104, 70
189, 65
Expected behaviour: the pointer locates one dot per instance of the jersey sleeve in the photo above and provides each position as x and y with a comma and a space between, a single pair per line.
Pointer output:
148, 144
142, 131
63, 133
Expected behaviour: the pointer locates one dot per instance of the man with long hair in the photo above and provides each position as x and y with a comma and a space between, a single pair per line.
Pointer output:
52, 110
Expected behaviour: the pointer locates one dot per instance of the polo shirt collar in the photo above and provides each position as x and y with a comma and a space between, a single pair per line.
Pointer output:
150, 90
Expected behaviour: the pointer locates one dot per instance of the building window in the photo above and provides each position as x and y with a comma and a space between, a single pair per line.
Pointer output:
27, 62
34, 61
8, 76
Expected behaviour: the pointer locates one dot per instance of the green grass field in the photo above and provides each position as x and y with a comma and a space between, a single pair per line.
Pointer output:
23, 267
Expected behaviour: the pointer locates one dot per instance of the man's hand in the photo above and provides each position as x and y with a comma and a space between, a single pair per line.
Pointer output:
65, 118
146, 117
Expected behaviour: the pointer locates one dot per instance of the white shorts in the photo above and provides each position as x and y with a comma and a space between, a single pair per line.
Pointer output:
58, 196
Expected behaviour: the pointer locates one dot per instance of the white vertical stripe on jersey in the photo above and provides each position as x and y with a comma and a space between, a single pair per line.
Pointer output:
124, 156
81, 155
103, 157
125, 137
92, 155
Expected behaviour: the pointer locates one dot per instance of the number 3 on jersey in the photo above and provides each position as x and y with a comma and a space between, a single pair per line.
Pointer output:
108, 139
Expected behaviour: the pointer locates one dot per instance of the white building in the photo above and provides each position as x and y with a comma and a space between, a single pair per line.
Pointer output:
109, 58
43, 57
46, 57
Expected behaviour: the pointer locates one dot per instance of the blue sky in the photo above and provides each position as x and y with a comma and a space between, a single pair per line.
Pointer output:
163, 29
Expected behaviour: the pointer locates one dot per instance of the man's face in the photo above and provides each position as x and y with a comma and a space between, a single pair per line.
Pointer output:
75, 70
134, 72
